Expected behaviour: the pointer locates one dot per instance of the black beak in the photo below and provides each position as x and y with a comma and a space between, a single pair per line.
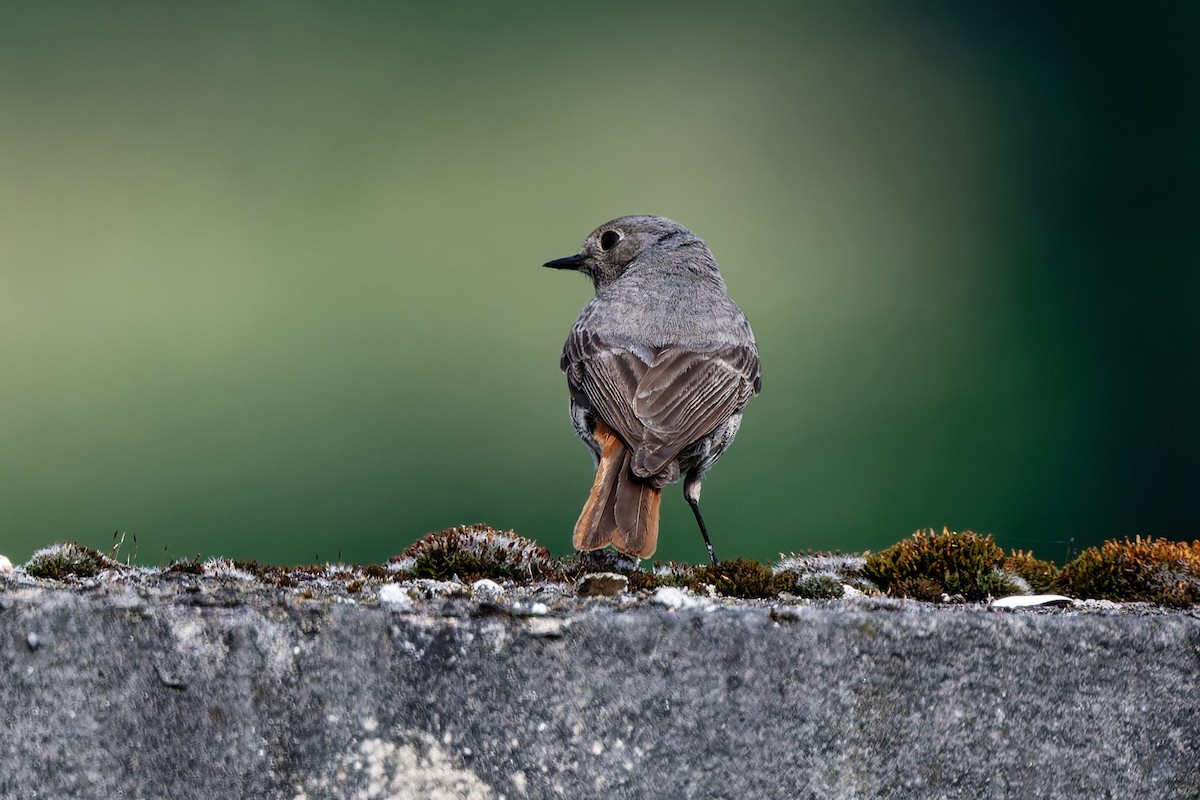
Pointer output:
570, 262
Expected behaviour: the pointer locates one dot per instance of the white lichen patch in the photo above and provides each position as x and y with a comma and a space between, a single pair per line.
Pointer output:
820, 563
487, 591
224, 568
395, 596
403, 564
677, 599
380, 769
434, 589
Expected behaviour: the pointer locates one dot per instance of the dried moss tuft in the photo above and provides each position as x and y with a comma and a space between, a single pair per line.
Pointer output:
928, 565
1152, 570
471, 552
68, 560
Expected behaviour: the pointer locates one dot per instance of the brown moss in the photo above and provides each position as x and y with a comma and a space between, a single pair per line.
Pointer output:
1040, 575
642, 580
471, 552
377, 572
274, 576
187, 566
742, 578
1153, 570
928, 565
926, 589
68, 560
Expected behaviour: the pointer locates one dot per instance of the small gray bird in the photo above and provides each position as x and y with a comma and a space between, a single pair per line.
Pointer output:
660, 364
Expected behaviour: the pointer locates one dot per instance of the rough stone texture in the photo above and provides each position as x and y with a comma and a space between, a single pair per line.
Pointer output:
219, 690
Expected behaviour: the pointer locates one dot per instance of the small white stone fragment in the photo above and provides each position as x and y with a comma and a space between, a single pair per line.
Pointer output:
850, 591
675, 598
534, 608
6, 566
395, 596
546, 627
1028, 600
487, 591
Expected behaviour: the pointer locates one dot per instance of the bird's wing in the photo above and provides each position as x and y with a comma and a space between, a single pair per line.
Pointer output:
604, 378
687, 394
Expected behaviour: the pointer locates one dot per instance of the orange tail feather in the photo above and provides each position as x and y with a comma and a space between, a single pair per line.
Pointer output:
620, 510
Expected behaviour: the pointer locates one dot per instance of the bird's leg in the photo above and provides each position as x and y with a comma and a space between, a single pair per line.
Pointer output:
691, 492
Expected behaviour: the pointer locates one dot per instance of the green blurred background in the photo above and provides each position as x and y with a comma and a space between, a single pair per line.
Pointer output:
270, 282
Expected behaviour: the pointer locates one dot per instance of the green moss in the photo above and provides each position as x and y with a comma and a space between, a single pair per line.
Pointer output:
1040, 575
1153, 570
68, 560
928, 565
471, 552
742, 578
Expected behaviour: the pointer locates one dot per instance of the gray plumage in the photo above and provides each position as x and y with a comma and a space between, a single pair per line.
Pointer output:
666, 360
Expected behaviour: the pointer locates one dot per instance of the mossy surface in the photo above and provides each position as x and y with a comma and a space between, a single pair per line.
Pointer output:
1040, 575
742, 578
927, 566
818, 587
68, 560
187, 566
930, 566
471, 552
1154, 570
825, 576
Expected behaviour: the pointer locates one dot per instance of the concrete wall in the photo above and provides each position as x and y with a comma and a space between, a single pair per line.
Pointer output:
212, 690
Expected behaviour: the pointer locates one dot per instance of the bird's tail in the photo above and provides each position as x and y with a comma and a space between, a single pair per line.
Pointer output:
621, 510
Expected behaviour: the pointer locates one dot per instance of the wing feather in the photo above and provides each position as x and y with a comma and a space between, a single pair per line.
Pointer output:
685, 395
659, 401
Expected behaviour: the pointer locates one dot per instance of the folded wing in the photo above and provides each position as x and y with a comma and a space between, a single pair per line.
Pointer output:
659, 401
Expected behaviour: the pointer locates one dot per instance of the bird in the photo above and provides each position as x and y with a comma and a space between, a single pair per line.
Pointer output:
660, 365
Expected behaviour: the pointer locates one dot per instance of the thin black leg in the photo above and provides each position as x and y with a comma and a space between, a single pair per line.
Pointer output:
695, 504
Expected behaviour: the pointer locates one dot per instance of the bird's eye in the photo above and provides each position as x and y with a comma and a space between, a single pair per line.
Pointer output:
609, 239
